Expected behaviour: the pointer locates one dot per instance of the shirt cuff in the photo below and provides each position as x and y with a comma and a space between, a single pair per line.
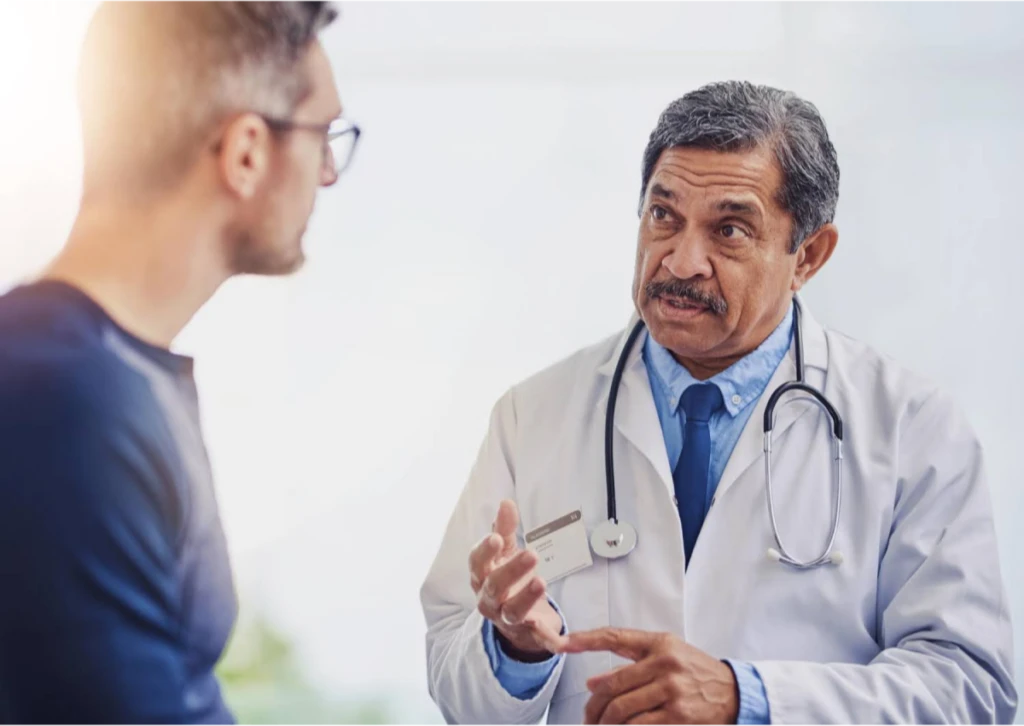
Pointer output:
753, 698
520, 680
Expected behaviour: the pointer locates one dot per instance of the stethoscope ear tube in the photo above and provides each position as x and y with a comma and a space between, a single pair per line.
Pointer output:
769, 410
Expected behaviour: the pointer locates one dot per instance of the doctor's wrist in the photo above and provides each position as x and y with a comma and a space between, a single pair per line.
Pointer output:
521, 643
516, 653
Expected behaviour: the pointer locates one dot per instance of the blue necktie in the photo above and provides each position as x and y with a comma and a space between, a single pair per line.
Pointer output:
693, 470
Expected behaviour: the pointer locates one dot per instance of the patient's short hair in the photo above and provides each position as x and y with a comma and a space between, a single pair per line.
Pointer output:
156, 78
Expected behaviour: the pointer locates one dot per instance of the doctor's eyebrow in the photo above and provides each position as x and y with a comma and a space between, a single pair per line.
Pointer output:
736, 207
657, 190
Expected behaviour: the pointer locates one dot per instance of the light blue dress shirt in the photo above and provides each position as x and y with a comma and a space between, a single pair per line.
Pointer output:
742, 384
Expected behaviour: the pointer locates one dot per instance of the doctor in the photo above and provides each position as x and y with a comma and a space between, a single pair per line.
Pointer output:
902, 619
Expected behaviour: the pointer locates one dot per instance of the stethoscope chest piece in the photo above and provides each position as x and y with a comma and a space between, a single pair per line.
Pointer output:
612, 539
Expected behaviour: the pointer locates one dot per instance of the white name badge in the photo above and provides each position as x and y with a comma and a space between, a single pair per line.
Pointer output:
561, 547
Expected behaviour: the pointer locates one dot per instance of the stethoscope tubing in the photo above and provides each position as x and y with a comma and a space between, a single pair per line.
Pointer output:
609, 421
814, 395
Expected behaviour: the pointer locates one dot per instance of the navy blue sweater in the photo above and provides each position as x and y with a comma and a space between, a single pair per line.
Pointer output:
116, 597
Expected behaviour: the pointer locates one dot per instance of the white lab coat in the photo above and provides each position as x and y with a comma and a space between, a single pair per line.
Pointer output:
913, 626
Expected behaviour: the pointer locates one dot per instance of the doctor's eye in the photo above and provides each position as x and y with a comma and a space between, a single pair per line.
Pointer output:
658, 213
732, 231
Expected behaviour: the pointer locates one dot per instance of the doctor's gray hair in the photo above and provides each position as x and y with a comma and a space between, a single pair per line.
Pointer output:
739, 116
155, 79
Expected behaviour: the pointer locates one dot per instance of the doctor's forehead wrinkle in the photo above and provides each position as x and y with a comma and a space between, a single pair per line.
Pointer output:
746, 204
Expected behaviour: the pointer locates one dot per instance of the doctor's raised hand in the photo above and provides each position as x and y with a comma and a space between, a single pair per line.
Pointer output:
510, 593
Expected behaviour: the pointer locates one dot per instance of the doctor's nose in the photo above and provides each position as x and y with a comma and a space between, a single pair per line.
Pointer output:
689, 258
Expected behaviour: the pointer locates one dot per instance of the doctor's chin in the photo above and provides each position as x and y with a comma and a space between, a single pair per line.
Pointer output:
725, 511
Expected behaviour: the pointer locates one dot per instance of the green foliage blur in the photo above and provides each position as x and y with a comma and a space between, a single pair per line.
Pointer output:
263, 684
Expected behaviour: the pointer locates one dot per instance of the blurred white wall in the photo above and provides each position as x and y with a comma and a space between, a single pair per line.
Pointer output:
487, 229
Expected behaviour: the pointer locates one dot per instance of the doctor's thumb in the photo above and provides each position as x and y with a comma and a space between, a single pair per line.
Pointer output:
507, 522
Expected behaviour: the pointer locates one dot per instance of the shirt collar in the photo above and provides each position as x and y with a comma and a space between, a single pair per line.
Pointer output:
741, 383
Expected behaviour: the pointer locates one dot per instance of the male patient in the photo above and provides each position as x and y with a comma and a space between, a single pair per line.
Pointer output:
207, 131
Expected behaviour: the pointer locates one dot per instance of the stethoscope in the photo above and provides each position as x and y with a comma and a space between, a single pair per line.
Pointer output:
613, 539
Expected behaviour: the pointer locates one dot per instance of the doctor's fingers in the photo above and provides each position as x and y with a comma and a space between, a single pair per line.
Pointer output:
659, 715
632, 644
630, 677
500, 583
544, 634
625, 706
481, 559
515, 609
506, 522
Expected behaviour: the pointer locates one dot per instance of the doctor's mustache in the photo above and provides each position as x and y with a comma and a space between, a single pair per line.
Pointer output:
681, 289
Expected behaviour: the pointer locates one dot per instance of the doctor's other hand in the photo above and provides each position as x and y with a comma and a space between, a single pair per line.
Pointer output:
511, 595
669, 681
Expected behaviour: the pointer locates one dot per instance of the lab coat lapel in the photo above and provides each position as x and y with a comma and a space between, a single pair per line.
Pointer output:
750, 447
636, 417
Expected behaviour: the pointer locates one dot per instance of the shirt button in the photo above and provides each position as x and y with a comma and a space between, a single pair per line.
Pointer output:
672, 402
675, 501
737, 400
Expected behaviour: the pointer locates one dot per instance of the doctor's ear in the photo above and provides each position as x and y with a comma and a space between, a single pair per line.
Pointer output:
812, 255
